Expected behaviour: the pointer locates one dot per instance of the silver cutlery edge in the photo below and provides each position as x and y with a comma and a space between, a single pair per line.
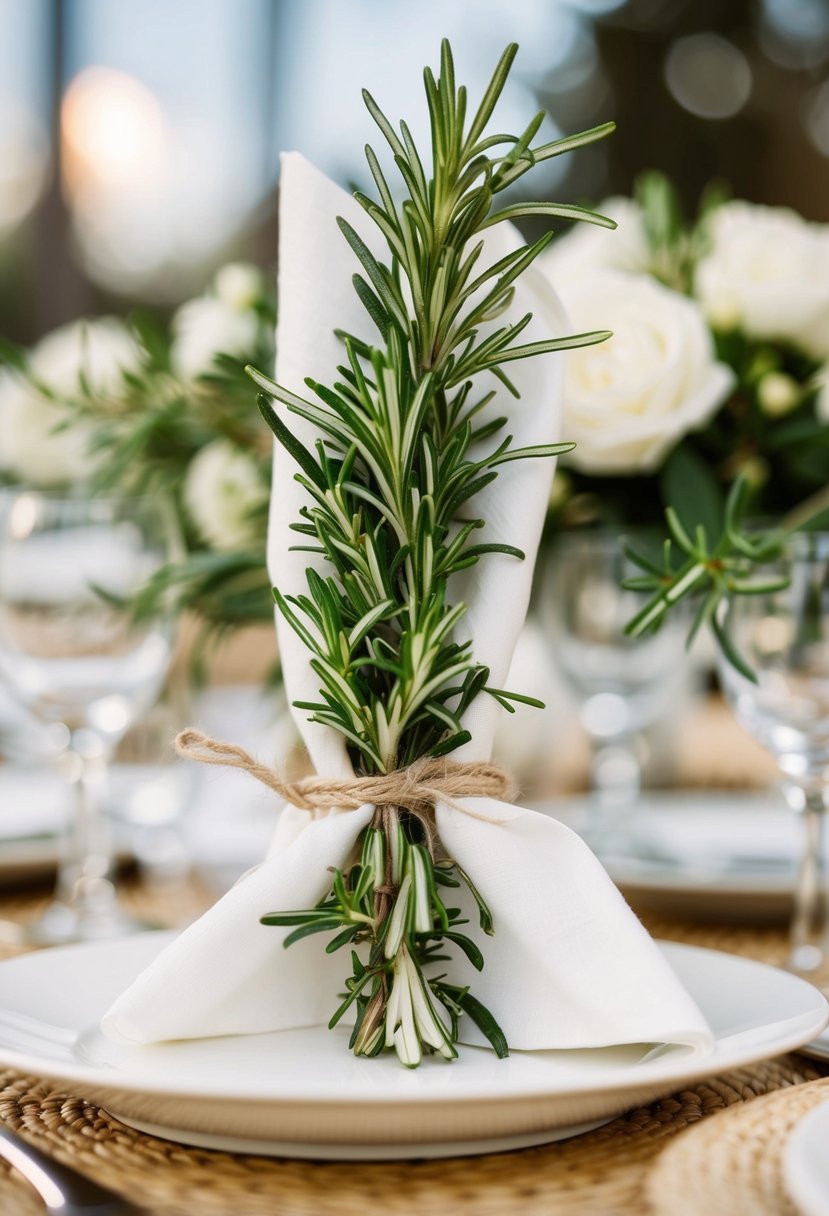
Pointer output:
64, 1191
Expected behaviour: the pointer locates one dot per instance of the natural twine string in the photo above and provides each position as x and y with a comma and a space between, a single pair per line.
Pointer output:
416, 788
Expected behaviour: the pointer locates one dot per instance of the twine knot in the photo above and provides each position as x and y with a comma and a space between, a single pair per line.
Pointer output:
416, 788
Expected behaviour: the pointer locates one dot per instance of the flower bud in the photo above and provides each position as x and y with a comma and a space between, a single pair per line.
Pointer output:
777, 394
755, 469
822, 403
239, 285
723, 313
560, 490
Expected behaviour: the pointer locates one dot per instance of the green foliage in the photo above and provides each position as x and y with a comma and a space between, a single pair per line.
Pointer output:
670, 246
689, 483
707, 572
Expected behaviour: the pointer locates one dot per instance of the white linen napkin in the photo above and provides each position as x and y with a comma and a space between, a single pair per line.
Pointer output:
569, 965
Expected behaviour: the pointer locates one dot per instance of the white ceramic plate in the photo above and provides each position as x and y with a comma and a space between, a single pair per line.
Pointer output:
301, 1093
712, 854
818, 1049
806, 1163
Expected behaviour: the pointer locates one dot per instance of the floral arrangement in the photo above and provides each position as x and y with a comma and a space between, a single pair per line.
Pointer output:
717, 368
127, 405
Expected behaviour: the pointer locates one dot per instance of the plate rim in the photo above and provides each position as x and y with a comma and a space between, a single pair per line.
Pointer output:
687, 1068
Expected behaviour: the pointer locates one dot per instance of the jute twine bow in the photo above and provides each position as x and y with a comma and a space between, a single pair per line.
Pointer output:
416, 789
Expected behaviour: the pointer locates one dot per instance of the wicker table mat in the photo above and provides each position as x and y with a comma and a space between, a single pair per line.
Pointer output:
600, 1174
603, 1173
733, 1163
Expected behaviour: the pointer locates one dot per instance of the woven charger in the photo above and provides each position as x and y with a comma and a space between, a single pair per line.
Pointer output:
733, 1163
598, 1173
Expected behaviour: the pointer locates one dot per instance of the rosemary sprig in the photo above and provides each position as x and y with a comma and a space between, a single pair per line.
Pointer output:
708, 573
405, 447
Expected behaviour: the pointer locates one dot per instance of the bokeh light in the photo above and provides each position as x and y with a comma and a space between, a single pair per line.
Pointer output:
113, 134
708, 75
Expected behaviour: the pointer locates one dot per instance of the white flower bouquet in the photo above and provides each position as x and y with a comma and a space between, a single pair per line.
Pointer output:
129, 405
717, 368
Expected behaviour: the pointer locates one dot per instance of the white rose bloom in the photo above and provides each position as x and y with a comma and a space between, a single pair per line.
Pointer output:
222, 487
240, 285
767, 269
630, 399
206, 327
99, 350
588, 247
34, 450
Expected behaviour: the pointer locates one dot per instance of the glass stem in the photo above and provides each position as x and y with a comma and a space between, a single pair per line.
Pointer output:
615, 783
810, 917
84, 886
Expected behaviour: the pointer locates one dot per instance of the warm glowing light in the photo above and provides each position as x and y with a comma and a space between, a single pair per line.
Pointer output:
113, 133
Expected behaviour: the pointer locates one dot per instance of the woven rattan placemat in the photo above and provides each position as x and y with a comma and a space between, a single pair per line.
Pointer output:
733, 1163
598, 1174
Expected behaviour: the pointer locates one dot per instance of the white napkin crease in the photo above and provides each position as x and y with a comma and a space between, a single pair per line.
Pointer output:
569, 965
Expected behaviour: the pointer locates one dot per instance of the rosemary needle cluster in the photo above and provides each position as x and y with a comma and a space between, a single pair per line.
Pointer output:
391, 486
707, 573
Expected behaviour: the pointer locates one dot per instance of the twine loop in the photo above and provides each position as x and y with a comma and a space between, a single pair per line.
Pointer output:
416, 788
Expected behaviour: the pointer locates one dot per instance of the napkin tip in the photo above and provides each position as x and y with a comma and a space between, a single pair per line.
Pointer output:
120, 1029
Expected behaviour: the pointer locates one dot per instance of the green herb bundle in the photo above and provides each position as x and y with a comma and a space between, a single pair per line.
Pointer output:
391, 488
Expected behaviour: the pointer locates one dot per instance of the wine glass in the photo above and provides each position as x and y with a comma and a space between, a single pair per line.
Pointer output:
784, 637
78, 660
621, 684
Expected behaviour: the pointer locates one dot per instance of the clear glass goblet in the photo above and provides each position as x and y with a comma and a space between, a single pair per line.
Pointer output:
620, 684
784, 637
80, 662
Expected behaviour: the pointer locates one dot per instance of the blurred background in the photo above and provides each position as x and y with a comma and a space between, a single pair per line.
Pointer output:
139, 171
139, 142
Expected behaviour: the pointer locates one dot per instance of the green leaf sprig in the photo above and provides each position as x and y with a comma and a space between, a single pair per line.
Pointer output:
707, 572
404, 449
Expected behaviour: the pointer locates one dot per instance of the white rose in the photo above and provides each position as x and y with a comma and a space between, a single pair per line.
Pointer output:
36, 448
206, 327
222, 487
240, 285
97, 351
630, 399
767, 269
588, 247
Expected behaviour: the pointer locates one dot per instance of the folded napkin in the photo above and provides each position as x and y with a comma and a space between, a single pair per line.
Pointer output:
569, 965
